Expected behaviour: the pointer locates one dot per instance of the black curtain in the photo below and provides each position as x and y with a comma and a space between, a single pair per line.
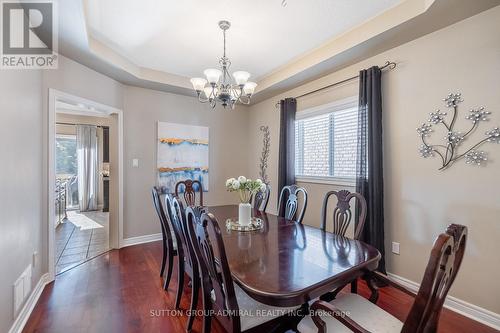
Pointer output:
369, 164
286, 166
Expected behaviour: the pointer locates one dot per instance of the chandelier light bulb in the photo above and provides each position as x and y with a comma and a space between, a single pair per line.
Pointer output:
212, 75
241, 77
198, 83
249, 88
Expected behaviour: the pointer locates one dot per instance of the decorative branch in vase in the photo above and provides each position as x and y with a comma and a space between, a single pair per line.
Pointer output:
449, 151
246, 188
266, 145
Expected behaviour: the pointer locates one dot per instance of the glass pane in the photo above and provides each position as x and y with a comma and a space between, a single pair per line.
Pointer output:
66, 171
66, 156
345, 143
326, 145
314, 146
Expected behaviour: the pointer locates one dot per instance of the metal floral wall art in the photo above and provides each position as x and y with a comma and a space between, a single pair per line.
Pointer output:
266, 144
448, 152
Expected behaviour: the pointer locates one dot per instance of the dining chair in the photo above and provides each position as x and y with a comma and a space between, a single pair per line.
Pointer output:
289, 209
342, 217
353, 313
189, 191
186, 262
261, 199
229, 304
168, 243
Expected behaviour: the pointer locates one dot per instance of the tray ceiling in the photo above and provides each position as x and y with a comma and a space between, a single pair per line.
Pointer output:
182, 37
160, 44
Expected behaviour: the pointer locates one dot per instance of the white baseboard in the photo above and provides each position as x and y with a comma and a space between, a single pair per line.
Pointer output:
29, 305
141, 239
469, 310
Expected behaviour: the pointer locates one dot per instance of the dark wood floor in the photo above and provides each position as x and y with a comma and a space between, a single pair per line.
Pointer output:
121, 291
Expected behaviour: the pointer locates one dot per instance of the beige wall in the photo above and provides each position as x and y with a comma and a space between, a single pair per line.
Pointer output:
78, 80
21, 195
265, 113
228, 150
23, 199
142, 109
420, 200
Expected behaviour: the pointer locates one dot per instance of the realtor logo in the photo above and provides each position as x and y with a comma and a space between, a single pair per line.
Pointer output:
29, 35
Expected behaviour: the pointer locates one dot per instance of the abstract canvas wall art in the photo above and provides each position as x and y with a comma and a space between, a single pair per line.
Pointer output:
182, 154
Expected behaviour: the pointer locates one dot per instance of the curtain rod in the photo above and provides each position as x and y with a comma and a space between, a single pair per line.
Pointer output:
72, 124
388, 64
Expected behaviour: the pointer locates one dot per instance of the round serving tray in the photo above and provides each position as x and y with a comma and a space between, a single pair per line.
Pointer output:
255, 224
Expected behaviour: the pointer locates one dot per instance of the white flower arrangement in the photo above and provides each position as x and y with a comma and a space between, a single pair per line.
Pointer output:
246, 187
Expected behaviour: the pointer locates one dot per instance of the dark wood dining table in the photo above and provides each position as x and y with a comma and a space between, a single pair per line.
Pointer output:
287, 263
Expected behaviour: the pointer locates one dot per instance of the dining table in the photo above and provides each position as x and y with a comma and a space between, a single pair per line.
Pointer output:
286, 263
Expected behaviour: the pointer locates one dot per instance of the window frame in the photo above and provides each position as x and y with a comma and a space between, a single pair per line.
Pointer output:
338, 105
66, 136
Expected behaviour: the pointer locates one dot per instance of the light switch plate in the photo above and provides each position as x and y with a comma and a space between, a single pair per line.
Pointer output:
135, 163
35, 258
395, 247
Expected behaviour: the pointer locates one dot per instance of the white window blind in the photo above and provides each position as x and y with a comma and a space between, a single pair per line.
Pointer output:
326, 142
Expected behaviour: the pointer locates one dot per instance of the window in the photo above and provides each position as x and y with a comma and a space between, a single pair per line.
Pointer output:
326, 142
67, 168
66, 155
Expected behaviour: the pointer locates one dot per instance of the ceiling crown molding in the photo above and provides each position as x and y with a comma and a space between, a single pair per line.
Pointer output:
385, 21
106, 53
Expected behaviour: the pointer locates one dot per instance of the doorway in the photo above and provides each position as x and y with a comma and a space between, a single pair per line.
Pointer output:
85, 180
82, 186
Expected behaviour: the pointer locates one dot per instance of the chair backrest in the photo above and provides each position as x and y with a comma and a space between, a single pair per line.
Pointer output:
442, 268
289, 209
176, 215
261, 199
217, 283
342, 214
189, 191
156, 193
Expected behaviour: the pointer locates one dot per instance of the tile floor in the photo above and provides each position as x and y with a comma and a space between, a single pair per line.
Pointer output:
83, 235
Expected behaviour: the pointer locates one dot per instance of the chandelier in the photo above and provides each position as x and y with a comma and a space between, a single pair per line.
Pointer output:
219, 85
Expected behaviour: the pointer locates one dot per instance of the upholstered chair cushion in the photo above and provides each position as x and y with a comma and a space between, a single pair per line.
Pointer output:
254, 313
359, 309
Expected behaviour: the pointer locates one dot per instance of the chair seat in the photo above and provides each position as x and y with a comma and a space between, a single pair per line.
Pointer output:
254, 313
359, 309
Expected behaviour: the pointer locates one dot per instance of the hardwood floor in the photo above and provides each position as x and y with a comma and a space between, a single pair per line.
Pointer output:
120, 291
